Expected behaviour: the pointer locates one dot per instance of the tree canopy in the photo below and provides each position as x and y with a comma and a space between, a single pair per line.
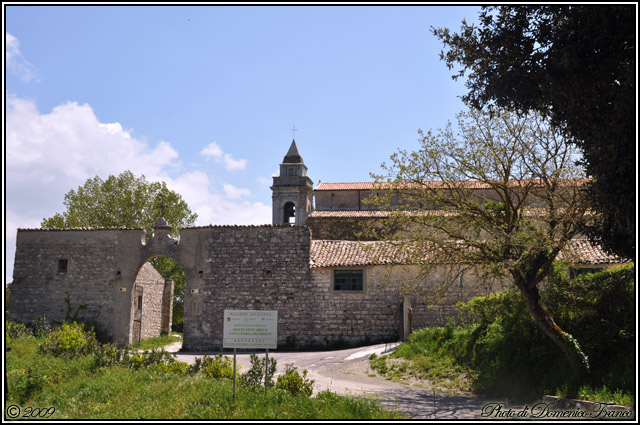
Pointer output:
122, 201
576, 65
500, 196
132, 202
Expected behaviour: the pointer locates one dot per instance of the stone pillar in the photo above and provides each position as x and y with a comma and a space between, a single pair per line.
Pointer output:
167, 306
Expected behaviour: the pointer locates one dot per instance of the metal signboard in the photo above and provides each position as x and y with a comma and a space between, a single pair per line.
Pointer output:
250, 329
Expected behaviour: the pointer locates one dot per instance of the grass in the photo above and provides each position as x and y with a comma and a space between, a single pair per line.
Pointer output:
158, 341
78, 389
423, 359
429, 356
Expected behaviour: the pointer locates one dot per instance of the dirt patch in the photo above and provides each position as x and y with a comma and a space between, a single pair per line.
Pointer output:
362, 367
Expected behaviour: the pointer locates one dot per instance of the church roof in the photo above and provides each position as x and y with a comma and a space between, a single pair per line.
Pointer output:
293, 156
468, 184
340, 253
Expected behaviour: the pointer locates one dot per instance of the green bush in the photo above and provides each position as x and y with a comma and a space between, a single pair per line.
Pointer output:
598, 309
505, 353
254, 377
41, 326
217, 367
17, 330
292, 382
70, 340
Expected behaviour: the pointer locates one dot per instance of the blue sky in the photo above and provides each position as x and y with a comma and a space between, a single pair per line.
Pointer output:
204, 98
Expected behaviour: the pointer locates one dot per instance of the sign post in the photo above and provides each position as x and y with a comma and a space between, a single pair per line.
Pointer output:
250, 329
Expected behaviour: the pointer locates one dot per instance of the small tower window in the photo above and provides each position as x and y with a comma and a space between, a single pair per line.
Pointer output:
62, 265
289, 212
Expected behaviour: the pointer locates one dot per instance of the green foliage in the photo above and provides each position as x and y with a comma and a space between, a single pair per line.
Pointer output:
68, 316
80, 391
500, 348
292, 382
17, 330
217, 367
41, 326
599, 310
70, 340
122, 201
575, 64
254, 377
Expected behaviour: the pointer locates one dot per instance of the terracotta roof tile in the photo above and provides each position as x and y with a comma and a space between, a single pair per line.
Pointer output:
471, 184
353, 253
326, 253
585, 252
348, 214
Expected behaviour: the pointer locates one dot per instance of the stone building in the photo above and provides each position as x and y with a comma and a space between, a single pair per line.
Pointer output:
328, 290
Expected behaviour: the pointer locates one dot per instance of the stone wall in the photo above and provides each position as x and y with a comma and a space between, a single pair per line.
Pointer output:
226, 268
42, 286
246, 268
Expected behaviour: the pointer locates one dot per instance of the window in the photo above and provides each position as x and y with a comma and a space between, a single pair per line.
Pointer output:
348, 280
62, 266
577, 272
139, 302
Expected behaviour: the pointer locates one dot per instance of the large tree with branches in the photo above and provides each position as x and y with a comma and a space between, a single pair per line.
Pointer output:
577, 65
501, 196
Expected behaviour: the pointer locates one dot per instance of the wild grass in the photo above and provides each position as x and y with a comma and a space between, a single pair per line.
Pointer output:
158, 341
79, 389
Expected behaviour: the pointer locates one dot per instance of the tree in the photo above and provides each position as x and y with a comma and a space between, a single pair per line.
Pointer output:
128, 201
576, 65
503, 198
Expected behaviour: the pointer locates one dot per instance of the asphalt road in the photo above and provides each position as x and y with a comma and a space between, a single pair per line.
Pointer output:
345, 372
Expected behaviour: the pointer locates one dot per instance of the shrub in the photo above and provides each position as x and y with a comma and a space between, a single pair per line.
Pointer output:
70, 340
254, 377
292, 382
41, 326
17, 330
217, 367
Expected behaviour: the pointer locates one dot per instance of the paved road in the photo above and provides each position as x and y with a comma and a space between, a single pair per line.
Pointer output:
344, 372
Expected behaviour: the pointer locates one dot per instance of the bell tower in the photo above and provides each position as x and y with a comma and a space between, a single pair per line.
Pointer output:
292, 190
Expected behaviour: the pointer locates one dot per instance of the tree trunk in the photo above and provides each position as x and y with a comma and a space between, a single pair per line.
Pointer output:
548, 326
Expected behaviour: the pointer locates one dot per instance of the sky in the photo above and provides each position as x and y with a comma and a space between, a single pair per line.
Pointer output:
205, 98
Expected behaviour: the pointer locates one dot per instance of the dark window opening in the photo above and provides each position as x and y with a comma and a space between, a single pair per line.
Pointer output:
289, 212
139, 302
348, 280
62, 266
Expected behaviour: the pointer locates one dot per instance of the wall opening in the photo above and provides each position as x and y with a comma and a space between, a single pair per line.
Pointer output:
289, 212
157, 303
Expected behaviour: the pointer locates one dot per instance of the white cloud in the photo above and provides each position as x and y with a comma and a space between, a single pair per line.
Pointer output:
212, 150
234, 164
16, 62
233, 192
49, 154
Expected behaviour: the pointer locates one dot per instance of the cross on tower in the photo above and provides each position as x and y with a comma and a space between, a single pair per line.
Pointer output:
294, 129
162, 207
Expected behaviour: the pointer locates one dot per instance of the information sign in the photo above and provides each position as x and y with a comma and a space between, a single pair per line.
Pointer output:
250, 329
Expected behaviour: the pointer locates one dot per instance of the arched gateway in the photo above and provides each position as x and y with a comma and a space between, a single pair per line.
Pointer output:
226, 267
